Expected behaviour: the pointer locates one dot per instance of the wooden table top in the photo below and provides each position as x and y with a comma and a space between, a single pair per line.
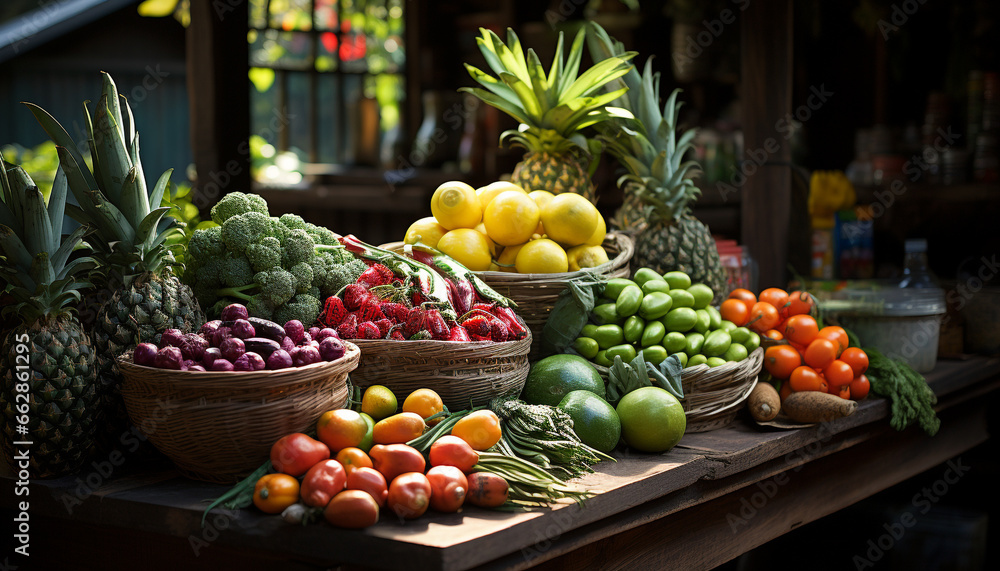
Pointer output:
156, 505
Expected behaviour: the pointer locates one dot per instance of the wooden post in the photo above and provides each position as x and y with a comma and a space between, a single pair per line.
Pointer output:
219, 99
766, 77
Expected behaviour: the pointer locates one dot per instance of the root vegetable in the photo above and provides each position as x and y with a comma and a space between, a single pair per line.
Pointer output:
814, 406
764, 402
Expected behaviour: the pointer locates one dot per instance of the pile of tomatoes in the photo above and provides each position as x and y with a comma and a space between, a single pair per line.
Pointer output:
350, 472
805, 357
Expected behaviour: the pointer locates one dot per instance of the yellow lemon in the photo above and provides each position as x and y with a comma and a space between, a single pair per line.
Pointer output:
541, 257
505, 262
469, 247
585, 256
426, 230
597, 238
481, 228
378, 402
541, 197
487, 193
455, 205
570, 219
511, 218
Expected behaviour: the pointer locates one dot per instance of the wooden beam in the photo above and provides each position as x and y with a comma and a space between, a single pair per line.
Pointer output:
219, 99
767, 94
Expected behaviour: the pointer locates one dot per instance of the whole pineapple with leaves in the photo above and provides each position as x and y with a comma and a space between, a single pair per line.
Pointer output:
48, 358
658, 188
130, 234
553, 109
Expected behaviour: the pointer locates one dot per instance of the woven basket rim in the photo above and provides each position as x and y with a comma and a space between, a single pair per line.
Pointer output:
247, 379
457, 346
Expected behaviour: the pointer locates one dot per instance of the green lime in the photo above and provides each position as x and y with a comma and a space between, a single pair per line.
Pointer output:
681, 298
677, 280
702, 295
652, 419
740, 335
655, 285
735, 352
602, 358
549, 379
703, 321
696, 360
586, 347
643, 275
594, 420
369, 440
726, 326
675, 341
716, 361
680, 319
379, 402
682, 357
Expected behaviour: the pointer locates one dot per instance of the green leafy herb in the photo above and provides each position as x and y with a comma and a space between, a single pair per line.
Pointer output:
912, 400
570, 313
624, 378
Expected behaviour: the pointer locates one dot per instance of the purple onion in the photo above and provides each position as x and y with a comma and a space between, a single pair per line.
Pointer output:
324, 333
306, 339
243, 363
193, 346
196, 368
235, 311
280, 359
313, 343
295, 330
220, 335
221, 365
209, 328
313, 332
287, 344
171, 338
331, 348
211, 354
169, 358
187, 364
232, 348
145, 354
306, 356
243, 329
256, 360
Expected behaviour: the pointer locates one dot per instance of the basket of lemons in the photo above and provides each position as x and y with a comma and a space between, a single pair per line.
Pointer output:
527, 246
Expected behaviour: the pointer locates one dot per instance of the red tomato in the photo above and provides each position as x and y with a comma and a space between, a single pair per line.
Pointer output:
773, 334
369, 480
395, 459
806, 379
776, 297
448, 488
801, 329
295, 453
856, 358
451, 450
736, 311
409, 495
744, 295
835, 334
353, 458
838, 373
820, 353
800, 303
322, 482
781, 360
352, 509
763, 316
487, 490
860, 387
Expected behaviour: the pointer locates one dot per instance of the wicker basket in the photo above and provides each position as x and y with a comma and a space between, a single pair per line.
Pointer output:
220, 426
462, 373
713, 395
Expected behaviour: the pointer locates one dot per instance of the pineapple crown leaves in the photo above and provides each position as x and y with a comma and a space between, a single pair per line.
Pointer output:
114, 199
647, 146
38, 262
552, 108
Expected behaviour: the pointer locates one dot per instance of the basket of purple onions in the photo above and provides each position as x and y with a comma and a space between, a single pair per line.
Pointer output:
215, 401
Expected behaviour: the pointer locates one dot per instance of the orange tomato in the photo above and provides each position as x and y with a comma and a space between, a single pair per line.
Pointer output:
448, 488
800, 303
352, 509
274, 492
453, 451
860, 387
835, 334
838, 373
773, 334
424, 402
398, 428
806, 379
391, 460
781, 360
341, 428
801, 329
776, 297
763, 316
820, 353
744, 295
353, 458
487, 490
843, 391
856, 358
786, 389
409, 495
481, 429
735, 310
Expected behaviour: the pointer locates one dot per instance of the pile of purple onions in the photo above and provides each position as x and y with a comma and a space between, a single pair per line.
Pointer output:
241, 343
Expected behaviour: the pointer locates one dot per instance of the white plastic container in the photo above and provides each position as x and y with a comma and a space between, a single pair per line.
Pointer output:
902, 323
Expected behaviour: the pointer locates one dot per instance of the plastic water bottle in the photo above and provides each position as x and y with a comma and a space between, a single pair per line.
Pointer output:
916, 274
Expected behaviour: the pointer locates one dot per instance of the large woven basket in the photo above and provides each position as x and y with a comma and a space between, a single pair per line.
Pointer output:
220, 426
713, 395
463, 374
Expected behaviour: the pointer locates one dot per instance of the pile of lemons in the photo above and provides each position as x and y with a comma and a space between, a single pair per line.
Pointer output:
502, 227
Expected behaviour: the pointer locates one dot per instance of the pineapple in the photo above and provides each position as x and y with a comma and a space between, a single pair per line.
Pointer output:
552, 109
45, 271
131, 235
658, 188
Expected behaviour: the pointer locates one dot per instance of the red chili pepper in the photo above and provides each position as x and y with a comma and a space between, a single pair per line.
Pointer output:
514, 324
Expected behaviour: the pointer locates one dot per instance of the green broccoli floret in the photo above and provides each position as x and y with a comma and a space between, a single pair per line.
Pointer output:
209, 274
236, 203
257, 307
314, 291
303, 276
279, 230
303, 307
322, 235
206, 244
274, 286
205, 293
343, 274
298, 247
338, 253
236, 271
293, 221
264, 254
241, 230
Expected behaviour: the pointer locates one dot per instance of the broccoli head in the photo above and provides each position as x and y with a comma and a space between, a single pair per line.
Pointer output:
205, 244
209, 274
277, 285
241, 230
236, 271
322, 235
343, 274
236, 203
297, 247
265, 254
293, 221
303, 307
258, 307
303, 276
